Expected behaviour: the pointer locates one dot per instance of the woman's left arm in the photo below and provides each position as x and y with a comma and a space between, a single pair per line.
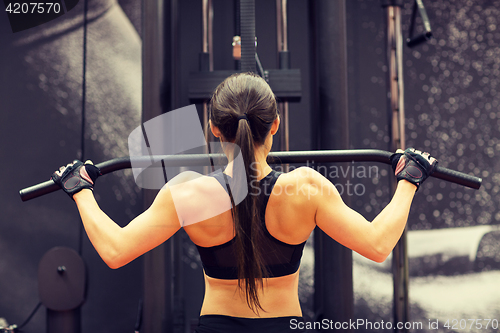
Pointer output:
117, 245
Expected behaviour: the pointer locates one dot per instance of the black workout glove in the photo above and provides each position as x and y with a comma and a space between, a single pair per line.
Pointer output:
76, 176
413, 165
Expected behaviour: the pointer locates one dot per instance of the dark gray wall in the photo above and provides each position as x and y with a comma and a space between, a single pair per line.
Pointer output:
40, 126
452, 107
451, 103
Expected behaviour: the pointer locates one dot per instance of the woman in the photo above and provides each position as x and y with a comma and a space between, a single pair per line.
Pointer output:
250, 252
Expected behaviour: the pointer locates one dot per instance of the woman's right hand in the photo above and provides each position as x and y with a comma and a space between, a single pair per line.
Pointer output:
413, 165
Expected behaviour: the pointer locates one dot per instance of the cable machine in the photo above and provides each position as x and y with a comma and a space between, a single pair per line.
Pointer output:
396, 120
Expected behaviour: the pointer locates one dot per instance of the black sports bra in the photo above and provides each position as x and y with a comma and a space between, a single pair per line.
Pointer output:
280, 258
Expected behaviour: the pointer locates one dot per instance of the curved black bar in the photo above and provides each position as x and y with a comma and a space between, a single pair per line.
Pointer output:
292, 157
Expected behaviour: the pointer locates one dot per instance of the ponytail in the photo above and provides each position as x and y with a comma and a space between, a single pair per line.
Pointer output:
243, 107
247, 224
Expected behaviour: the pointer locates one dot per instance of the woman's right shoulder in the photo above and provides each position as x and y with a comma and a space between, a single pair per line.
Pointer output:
295, 198
304, 175
304, 181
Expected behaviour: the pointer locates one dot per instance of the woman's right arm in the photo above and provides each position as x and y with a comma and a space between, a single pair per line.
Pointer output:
374, 240
377, 239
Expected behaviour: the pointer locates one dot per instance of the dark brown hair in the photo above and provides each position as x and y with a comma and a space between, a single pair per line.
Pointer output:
246, 94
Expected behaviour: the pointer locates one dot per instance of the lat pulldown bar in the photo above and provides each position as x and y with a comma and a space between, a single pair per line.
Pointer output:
293, 157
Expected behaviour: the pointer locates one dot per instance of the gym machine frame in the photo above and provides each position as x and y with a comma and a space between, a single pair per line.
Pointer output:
396, 120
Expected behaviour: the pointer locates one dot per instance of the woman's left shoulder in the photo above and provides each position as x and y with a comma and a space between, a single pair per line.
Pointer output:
197, 197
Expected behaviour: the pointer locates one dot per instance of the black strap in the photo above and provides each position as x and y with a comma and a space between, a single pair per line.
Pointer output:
247, 30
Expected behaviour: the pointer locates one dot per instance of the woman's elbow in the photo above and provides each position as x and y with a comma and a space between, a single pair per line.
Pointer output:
113, 264
380, 247
114, 261
380, 257
374, 254
380, 253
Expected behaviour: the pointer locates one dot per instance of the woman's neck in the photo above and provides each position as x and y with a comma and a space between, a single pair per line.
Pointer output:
260, 166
